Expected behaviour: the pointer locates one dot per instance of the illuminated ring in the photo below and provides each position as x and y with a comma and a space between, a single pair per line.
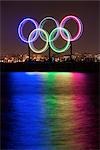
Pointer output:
41, 25
80, 27
51, 42
31, 45
20, 28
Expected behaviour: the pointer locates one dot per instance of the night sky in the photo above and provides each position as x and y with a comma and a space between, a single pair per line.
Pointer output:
13, 12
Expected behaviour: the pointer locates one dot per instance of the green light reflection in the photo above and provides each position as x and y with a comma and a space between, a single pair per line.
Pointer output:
58, 105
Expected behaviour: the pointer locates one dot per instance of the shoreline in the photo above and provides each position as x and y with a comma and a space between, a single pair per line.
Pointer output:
49, 67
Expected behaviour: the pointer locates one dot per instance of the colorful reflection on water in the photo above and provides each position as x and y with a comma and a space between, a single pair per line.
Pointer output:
49, 111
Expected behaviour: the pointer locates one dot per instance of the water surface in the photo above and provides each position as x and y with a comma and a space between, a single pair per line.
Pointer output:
49, 111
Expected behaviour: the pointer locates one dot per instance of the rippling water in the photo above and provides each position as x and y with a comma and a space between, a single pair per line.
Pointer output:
49, 111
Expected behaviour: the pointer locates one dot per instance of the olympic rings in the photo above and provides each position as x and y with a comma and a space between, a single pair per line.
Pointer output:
80, 27
32, 45
51, 42
21, 25
50, 38
41, 25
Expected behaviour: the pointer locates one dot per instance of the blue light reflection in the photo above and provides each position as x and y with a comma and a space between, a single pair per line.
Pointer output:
28, 125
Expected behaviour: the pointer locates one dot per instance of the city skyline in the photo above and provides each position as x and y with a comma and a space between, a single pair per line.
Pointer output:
14, 12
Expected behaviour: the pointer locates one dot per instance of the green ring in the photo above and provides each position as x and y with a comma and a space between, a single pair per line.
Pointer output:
52, 44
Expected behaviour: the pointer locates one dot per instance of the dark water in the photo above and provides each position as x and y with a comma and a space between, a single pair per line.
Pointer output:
50, 111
